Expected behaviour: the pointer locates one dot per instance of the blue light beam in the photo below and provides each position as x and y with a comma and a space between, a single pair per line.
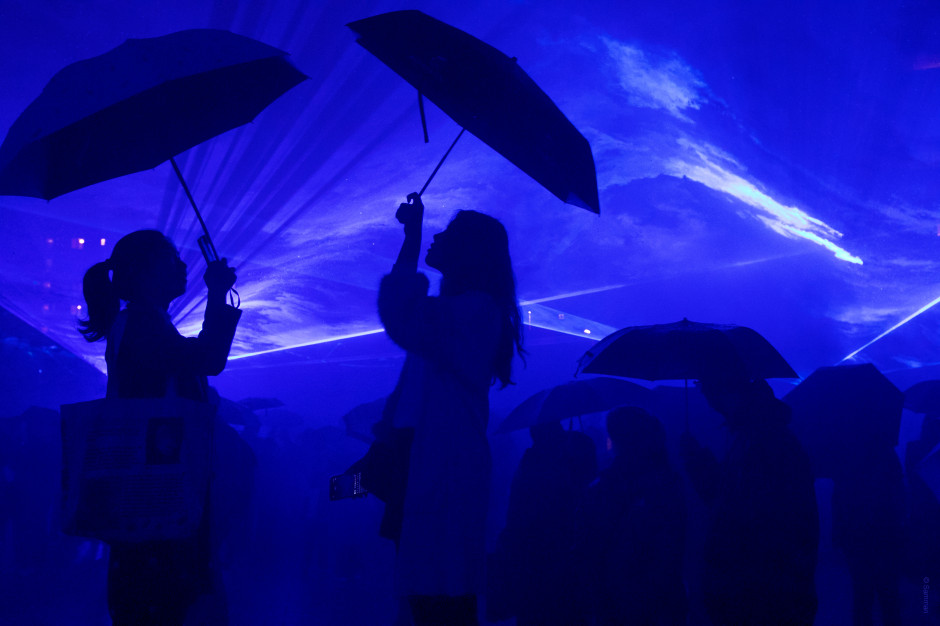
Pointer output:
923, 309
373, 331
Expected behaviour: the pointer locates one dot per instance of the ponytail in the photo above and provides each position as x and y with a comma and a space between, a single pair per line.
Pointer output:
102, 300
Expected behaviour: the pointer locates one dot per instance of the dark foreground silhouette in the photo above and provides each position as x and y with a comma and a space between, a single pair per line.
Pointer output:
458, 343
533, 571
633, 528
156, 582
761, 547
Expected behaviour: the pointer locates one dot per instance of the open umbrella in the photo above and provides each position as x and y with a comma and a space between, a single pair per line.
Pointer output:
685, 350
139, 105
839, 412
361, 418
923, 397
579, 397
929, 470
257, 404
487, 93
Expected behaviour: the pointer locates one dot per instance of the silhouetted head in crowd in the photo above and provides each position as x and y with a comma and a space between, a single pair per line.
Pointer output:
638, 438
744, 403
929, 437
472, 254
546, 433
144, 267
930, 428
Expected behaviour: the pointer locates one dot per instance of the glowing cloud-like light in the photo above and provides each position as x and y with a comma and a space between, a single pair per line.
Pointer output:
656, 81
788, 221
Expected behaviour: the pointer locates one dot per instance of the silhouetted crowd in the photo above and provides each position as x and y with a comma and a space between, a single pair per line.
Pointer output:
593, 534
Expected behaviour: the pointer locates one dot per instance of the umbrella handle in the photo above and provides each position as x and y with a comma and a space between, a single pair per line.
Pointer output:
439, 163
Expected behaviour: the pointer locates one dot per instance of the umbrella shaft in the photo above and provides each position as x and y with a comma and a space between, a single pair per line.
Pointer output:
424, 121
440, 163
189, 195
687, 429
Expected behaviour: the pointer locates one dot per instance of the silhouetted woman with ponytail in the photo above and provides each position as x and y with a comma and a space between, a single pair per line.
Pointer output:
155, 582
459, 344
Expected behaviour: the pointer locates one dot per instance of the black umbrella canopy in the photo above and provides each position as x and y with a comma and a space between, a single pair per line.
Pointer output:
487, 93
361, 418
138, 105
257, 404
686, 350
579, 397
923, 397
839, 412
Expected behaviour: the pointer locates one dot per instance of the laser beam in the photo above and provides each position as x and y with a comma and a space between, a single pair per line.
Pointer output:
923, 309
572, 294
314, 342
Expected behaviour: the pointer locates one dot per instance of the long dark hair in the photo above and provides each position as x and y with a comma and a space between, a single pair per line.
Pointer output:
483, 247
107, 283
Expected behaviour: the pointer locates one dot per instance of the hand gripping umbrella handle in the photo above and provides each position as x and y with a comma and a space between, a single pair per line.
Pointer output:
439, 163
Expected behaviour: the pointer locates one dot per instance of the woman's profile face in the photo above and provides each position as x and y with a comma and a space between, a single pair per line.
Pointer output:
437, 251
168, 274
447, 250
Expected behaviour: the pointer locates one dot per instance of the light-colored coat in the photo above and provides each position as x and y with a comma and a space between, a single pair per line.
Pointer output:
444, 395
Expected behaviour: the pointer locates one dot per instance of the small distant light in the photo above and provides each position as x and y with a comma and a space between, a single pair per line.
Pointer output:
587, 332
47, 285
561, 316
45, 307
103, 241
50, 240
81, 241
79, 307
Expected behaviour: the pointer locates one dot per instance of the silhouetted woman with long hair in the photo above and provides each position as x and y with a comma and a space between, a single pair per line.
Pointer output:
459, 344
155, 582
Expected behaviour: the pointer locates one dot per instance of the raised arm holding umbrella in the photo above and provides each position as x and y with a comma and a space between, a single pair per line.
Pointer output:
124, 111
138, 105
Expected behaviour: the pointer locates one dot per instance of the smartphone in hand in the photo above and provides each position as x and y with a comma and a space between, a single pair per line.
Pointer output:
347, 486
